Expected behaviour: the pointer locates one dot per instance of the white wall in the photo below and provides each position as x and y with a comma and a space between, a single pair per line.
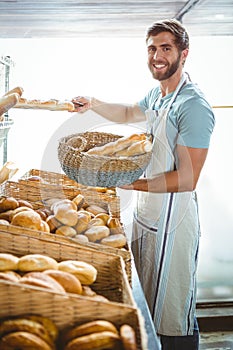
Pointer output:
116, 70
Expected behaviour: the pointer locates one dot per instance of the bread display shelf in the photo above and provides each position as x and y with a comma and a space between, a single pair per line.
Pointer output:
56, 185
108, 265
66, 311
20, 190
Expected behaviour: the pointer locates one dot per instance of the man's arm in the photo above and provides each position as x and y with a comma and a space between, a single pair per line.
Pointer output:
184, 178
118, 113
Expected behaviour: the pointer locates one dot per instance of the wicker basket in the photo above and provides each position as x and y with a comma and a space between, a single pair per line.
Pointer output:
95, 170
32, 194
68, 310
108, 265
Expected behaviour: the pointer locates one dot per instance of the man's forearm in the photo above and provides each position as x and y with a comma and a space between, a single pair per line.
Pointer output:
171, 181
118, 113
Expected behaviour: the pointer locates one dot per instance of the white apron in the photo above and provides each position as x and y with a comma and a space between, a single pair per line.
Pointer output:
165, 240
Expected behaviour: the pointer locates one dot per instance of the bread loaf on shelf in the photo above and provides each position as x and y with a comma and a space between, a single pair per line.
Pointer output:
51, 104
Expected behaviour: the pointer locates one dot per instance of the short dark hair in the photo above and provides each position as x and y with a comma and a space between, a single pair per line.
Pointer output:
174, 27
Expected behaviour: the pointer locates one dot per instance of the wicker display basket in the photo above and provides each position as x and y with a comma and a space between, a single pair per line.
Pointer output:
95, 170
108, 265
68, 310
55, 186
24, 191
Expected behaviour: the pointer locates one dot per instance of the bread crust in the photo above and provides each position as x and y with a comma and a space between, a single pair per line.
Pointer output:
70, 283
51, 104
88, 328
36, 262
85, 272
128, 337
8, 262
23, 340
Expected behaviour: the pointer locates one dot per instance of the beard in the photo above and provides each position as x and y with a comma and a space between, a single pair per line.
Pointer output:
171, 69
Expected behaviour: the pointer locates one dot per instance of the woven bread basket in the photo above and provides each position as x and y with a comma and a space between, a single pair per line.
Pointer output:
96, 170
108, 265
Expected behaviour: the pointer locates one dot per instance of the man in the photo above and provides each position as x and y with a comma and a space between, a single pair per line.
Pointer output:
166, 229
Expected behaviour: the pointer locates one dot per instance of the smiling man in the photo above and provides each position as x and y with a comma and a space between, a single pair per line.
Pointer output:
166, 229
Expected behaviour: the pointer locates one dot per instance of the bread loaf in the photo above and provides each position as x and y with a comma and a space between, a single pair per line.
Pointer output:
135, 149
36, 262
7, 102
69, 282
97, 340
128, 337
115, 146
25, 325
85, 272
40, 279
23, 340
51, 105
18, 90
88, 328
8, 262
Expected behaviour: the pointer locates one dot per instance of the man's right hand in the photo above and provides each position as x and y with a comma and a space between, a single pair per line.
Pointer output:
81, 104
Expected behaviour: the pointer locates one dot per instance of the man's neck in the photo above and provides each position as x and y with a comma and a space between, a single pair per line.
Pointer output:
169, 85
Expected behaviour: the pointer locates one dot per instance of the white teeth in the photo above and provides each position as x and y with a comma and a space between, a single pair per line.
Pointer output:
159, 65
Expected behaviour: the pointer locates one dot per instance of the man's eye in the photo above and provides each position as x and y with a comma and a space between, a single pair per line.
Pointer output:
151, 49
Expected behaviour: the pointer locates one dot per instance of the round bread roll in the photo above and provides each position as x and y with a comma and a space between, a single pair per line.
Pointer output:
11, 276
8, 262
66, 231
95, 209
23, 340
116, 241
7, 215
36, 262
48, 324
30, 219
45, 278
98, 340
104, 216
96, 233
19, 210
44, 226
85, 272
96, 222
66, 204
128, 337
4, 222
66, 216
82, 223
69, 282
79, 201
24, 203
53, 223
88, 328
8, 203
25, 325
79, 238
46, 283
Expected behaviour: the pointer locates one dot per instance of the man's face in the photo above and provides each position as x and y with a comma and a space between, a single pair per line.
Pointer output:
164, 59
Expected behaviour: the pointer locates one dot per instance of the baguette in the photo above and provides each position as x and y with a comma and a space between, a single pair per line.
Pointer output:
115, 146
137, 148
7, 102
18, 90
51, 105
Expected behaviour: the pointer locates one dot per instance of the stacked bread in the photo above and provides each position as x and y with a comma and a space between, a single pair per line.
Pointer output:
38, 270
127, 146
76, 219
28, 332
40, 333
99, 334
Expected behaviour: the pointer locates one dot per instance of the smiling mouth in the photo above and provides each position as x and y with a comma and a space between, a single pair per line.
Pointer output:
159, 66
